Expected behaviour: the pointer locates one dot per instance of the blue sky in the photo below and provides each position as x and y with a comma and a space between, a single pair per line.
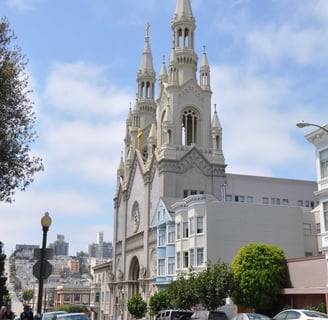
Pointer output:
269, 66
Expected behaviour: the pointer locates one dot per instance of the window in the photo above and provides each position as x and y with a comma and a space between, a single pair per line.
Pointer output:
249, 199
185, 230
161, 237
189, 127
307, 229
285, 202
200, 225
277, 200
185, 259
171, 265
193, 192
171, 234
161, 267
265, 200
178, 231
318, 228
228, 198
185, 193
307, 203
76, 297
178, 260
200, 256
192, 256
324, 163
325, 214
97, 297
192, 227
300, 203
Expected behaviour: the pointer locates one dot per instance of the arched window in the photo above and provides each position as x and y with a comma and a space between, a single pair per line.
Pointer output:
179, 38
186, 38
189, 127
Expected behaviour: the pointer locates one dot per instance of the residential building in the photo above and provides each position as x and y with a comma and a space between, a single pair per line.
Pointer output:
73, 265
100, 292
319, 138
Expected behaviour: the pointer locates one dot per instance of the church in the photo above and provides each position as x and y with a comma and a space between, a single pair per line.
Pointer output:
173, 171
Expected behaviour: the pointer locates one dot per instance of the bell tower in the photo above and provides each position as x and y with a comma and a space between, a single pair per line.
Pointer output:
189, 140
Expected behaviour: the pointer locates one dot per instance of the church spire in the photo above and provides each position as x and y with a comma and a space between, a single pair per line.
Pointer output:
183, 27
204, 73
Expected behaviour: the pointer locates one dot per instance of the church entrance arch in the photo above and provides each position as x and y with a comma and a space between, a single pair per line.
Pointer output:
134, 276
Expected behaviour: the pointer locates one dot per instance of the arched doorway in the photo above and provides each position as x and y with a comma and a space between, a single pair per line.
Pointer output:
134, 276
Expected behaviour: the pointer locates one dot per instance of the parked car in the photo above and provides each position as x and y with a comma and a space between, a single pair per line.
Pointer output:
250, 316
300, 314
209, 315
173, 314
51, 315
72, 316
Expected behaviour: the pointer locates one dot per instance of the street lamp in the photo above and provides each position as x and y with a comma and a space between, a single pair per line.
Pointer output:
303, 124
45, 223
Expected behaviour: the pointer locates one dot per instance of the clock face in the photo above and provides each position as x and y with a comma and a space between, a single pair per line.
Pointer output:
135, 217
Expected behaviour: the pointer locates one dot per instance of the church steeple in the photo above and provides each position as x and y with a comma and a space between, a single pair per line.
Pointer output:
204, 73
144, 111
183, 27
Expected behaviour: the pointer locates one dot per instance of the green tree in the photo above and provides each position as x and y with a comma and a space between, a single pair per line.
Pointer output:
183, 290
137, 306
17, 166
214, 285
3, 279
28, 294
260, 272
161, 300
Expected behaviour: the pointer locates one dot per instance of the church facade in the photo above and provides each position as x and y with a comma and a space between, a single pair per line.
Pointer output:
172, 145
172, 150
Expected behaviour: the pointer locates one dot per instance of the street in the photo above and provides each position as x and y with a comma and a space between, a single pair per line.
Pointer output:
16, 305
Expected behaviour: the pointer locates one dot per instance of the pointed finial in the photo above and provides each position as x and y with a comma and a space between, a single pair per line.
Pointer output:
214, 107
204, 47
163, 58
147, 29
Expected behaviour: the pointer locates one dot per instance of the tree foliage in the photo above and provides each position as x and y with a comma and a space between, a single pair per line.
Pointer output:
161, 300
183, 290
17, 119
3, 279
28, 295
260, 272
137, 306
214, 285
209, 287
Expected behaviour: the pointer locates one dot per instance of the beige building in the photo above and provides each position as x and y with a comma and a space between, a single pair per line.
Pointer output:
100, 291
73, 265
173, 169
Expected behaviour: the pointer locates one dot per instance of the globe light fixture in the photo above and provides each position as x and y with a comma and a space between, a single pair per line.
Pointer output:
45, 223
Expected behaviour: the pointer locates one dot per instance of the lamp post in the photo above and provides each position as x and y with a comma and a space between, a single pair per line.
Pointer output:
303, 124
45, 223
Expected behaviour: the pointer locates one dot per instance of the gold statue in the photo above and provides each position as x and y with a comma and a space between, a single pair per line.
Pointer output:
139, 136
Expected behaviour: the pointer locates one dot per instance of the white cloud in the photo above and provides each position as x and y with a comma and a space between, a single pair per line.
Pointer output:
23, 5
258, 125
82, 89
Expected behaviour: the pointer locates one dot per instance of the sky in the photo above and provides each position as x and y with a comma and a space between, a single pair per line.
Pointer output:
269, 66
